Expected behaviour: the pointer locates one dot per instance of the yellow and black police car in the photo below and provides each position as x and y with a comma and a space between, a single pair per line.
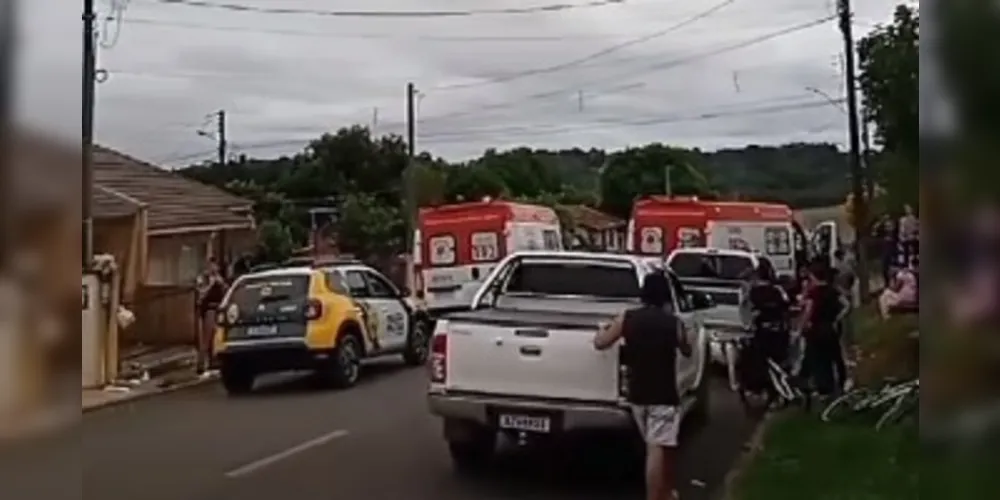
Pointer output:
324, 317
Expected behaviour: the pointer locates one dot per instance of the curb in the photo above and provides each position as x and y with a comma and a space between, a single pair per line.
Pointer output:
147, 394
753, 447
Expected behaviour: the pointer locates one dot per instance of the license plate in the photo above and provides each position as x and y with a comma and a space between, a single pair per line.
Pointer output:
262, 330
526, 423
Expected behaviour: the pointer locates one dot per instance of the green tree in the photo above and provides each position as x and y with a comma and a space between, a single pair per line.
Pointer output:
368, 227
275, 241
888, 59
637, 172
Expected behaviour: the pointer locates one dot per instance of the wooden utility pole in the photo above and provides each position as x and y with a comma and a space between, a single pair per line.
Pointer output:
87, 127
409, 182
866, 155
223, 147
860, 208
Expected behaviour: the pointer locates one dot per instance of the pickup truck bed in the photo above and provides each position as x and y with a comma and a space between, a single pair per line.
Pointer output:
530, 353
541, 319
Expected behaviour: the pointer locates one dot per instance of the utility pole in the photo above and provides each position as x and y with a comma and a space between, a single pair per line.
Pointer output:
860, 208
89, 102
668, 185
223, 144
867, 157
409, 183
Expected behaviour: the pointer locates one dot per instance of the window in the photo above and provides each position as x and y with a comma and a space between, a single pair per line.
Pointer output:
380, 288
442, 250
583, 278
336, 283
250, 292
689, 237
356, 284
701, 265
485, 247
777, 241
551, 239
651, 241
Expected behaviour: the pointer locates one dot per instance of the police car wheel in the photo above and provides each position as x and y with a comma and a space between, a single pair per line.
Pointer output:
418, 345
346, 365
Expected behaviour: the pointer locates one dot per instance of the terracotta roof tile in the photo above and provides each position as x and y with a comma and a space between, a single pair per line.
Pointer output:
172, 200
592, 218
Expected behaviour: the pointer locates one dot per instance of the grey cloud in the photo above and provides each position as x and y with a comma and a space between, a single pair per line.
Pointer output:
281, 90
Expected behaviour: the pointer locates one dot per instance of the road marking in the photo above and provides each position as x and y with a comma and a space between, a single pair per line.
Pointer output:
281, 455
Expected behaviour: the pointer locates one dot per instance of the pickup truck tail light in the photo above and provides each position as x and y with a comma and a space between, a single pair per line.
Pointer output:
622, 373
439, 358
314, 310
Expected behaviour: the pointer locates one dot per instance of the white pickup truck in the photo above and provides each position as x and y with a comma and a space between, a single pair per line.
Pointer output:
521, 362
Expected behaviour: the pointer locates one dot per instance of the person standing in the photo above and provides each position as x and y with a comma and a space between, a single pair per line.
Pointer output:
653, 336
211, 290
823, 309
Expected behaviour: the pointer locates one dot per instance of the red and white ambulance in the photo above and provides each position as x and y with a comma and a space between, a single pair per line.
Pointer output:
458, 245
661, 224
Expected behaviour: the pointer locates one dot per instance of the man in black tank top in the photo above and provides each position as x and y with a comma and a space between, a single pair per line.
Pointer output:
653, 335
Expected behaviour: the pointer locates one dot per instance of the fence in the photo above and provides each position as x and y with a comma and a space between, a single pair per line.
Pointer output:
166, 315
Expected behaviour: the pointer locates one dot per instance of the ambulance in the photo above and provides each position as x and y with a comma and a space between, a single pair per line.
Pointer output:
660, 225
458, 245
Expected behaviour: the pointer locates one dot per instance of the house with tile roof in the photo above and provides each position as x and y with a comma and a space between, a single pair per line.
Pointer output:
592, 229
171, 224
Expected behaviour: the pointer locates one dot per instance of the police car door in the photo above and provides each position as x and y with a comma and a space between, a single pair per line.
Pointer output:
387, 303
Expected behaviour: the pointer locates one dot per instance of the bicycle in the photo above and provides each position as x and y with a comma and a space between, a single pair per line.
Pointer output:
899, 399
779, 391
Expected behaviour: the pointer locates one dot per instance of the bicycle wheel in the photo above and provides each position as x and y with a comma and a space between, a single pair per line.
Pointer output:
849, 402
755, 403
904, 405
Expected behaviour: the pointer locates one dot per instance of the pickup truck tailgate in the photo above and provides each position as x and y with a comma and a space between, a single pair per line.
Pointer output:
530, 354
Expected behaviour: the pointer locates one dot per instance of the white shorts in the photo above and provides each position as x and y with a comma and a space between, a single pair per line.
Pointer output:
658, 424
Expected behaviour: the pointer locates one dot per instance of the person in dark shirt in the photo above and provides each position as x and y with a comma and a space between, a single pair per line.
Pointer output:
769, 305
653, 335
824, 307
211, 290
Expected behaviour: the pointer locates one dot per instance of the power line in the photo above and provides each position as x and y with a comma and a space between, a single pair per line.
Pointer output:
596, 55
604, 124
661, 66
538, 9
377, 36
734, 109
458, 136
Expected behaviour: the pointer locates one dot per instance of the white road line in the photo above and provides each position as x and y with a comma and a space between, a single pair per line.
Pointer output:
281, 455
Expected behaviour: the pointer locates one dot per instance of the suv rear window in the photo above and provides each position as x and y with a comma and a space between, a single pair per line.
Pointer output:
574, 279
253, 290
700, 265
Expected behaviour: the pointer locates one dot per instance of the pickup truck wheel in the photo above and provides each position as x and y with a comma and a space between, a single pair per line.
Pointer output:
236, 381
418, 345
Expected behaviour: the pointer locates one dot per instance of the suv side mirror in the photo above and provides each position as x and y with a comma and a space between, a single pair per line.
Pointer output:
700, 300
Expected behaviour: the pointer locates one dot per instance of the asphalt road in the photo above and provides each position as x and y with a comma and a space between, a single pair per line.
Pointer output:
293, 441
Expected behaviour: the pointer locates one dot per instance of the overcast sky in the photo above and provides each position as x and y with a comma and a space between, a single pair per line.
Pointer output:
284, 78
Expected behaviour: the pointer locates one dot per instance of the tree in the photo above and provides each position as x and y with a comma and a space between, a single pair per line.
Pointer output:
275, 241
889, 63
638, 172
368, 227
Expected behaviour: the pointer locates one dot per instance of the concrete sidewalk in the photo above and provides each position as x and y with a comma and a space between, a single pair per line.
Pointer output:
152, 372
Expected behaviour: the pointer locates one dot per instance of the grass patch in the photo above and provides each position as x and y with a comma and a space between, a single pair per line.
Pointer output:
805, 458
802, 457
